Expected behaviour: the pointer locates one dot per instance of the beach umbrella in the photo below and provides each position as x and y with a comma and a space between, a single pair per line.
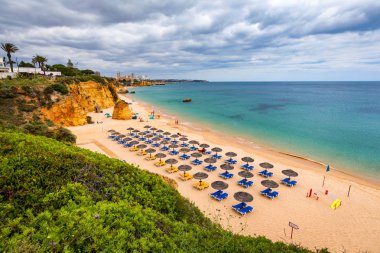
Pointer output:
174, 136
171, 162
107, 115
204, 145
196, 155
147, 127
269, 183
127, 139
141, 133
290, 173
216, 150
183, 139
160, 131
219, 185
164, 142
122, 136
226, 167
243, 196
160, 156
184, 168
153, 129
231, 154
156, 139
247, 159
266, 165
166, 133
245, 174
141, 146
173, 146
193, 142
210, 160
136, 131
149, 136
150, 151
130, 128
134, 143
184, 150
111, 131
200, 176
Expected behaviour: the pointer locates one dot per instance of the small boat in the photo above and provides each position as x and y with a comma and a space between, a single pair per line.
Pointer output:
186, 100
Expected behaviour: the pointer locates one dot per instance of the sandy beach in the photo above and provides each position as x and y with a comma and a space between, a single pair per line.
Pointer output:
353, 227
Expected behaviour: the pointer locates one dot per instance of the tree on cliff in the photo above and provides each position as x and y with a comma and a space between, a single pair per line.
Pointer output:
9, 48
40, 60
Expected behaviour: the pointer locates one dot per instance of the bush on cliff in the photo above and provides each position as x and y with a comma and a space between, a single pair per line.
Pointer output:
55, 198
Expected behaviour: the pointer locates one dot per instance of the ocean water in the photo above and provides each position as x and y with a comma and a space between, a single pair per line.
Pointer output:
336, 123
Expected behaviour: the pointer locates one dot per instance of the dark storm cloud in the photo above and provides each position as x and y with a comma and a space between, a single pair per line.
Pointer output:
202, 38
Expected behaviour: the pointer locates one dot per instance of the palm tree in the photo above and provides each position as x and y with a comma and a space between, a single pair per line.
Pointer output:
40, 60
9, 48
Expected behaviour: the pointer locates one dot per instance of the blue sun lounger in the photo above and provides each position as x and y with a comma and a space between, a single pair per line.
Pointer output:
239, 206
285, 180
167, 139
216, 156
196, 162
156, 145
174, 141
184, 157
193, 148
266, 191
165, 148
272, 194
173, 152
291, 183
127, 145
216, 193
222, 196
184, 145
231, 161
265, 173
141, 139
247, 167
245, 210
226, 175
210, 167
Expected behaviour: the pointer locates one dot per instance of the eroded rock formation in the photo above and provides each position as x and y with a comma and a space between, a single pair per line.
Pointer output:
121, 111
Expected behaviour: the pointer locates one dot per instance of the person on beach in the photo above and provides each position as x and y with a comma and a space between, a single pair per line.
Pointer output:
203, 150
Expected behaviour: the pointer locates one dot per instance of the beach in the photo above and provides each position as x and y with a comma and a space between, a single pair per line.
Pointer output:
354, 227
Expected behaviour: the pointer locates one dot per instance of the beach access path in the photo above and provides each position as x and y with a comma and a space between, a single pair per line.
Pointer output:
353, 227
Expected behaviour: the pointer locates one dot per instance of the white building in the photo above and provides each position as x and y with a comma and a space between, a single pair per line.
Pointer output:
6, 71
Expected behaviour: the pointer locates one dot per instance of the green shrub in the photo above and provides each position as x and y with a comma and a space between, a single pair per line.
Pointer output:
65, 135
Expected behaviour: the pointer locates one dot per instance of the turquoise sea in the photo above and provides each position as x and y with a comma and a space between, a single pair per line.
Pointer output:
336, 123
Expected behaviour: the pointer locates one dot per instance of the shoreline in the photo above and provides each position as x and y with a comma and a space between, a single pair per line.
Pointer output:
344, 228
256, 147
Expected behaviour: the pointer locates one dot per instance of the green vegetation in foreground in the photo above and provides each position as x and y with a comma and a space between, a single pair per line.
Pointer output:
55, 197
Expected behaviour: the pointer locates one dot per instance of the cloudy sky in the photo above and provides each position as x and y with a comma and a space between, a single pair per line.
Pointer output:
209, 39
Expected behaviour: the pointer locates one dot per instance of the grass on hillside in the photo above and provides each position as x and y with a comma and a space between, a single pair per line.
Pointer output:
55, 197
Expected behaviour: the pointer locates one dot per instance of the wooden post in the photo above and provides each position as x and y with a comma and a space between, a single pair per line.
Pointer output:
349, 189
323, 184
291, 234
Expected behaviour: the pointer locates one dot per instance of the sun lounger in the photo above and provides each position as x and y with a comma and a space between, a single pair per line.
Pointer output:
150, 158
247, 184
167, 139
196, 162
265, 173
272, 194
192, 148
133, 149
266, 191
127, 145
186, 176
245, 210
285, 180
160, 163
216, 156
201, 185
156, 145
173, 152
141, 139
222, 196
165, 148
247, 167
184, 157
174, 141
210, 167
241, 182
148, 141
172, 169
216, 193
226, 175
141, 153
291, 183
239, 206
231, 161
184, 145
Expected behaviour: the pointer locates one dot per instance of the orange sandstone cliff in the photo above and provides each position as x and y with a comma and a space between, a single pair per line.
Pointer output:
83, 98
121, 111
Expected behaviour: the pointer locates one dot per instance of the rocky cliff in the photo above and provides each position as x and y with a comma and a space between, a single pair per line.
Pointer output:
83, 98
121, 111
